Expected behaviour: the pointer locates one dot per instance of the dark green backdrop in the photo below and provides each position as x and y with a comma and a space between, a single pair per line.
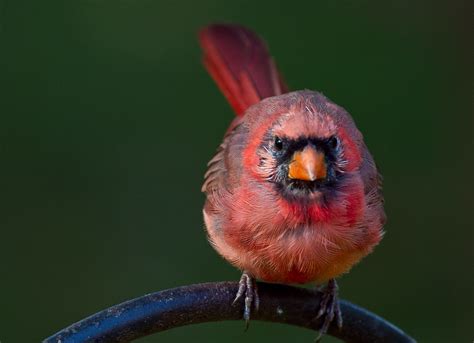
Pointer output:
107, 121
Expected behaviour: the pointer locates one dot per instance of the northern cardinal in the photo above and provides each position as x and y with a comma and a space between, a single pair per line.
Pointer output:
292, 195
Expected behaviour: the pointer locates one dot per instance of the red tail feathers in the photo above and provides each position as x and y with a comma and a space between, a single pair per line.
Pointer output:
239, 62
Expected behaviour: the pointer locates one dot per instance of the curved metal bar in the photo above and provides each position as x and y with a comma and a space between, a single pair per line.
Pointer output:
210, 302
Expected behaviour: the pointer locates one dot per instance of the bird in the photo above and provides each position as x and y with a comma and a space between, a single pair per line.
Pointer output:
293, 195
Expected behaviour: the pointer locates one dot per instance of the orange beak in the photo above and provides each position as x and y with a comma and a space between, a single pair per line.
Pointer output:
308, 165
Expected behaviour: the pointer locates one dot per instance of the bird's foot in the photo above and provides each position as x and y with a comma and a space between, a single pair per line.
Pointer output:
329, 308
247, 287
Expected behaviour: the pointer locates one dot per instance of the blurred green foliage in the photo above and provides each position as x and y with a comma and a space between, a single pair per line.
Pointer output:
108, 120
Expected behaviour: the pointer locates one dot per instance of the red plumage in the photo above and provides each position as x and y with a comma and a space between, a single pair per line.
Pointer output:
239, 62
266, 212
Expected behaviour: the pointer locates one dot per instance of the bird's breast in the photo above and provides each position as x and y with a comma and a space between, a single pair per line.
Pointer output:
289, 242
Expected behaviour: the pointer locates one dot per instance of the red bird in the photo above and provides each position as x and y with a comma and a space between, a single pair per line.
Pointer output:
293, 194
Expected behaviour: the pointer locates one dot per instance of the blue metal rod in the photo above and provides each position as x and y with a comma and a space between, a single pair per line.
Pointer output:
209, 302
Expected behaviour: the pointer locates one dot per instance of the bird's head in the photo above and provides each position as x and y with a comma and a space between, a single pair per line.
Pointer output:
306, 148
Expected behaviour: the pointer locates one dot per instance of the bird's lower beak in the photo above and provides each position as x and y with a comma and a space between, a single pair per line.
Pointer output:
308, 165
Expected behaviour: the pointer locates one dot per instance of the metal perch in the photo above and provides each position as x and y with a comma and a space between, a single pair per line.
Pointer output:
211, 302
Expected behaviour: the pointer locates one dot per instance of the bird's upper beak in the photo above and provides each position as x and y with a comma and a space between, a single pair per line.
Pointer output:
308, 165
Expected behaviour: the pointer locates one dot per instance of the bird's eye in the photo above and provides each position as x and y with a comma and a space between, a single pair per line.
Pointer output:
278, 143
333, 142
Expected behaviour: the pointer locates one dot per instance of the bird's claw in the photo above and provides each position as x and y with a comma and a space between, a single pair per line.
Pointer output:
329, 309
248, 287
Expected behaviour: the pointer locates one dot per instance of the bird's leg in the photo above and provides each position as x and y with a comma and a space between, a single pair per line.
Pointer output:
248, 287
329, 308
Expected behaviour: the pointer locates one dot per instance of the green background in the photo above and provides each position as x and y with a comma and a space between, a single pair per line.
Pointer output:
107, 121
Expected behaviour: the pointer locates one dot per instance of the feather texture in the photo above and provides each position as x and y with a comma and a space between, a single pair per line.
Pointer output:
250, 221
239, 62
